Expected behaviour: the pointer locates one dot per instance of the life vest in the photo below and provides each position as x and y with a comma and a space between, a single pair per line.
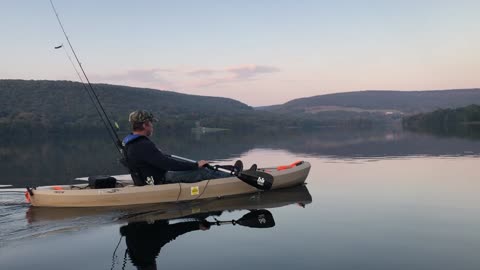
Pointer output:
134, 172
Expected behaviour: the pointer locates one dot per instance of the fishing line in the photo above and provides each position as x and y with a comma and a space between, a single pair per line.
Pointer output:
179, 191
74, 67
83, 84
115, 251
111, 130
125, 259
204, 189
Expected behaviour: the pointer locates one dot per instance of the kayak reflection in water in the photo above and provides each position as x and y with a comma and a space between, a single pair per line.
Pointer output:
145, 240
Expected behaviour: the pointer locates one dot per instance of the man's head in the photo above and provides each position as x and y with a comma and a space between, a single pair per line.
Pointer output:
141, 122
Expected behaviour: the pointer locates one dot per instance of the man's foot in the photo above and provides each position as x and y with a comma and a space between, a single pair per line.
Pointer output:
238, 166
253, 167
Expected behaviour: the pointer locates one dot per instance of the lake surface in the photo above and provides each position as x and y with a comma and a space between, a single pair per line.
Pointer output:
378, 199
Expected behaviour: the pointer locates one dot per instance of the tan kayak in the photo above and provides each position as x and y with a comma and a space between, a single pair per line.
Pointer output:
164, 211
126, 194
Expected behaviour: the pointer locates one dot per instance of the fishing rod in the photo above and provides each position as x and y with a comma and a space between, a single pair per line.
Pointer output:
79, 76
73, 64
90, 90
258, 179
90, 95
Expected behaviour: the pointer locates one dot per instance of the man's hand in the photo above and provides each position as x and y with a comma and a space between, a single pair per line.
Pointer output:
204, 225
202, 163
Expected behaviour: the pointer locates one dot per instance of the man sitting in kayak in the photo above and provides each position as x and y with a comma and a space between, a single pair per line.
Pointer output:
150, 166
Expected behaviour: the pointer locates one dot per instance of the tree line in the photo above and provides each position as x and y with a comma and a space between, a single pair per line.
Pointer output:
31, 107
463, 121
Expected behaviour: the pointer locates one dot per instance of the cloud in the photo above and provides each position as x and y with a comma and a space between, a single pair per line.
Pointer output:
231, 74
139, 77
250, 71
179, 78
201, 72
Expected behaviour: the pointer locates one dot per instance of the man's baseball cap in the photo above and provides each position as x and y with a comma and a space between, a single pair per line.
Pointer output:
141, 117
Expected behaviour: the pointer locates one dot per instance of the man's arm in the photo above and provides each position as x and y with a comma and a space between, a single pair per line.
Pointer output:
156, 158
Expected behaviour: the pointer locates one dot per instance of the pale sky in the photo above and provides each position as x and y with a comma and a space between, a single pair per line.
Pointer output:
259, 52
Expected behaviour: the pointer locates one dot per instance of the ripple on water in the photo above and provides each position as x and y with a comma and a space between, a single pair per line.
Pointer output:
16, 222
13, 206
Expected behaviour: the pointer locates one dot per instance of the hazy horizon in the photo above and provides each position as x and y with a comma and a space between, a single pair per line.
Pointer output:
260, 53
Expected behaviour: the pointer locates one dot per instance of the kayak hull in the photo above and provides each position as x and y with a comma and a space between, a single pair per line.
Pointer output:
79, 196
166, 211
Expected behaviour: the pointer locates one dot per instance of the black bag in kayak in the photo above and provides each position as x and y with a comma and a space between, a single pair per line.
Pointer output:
102, 181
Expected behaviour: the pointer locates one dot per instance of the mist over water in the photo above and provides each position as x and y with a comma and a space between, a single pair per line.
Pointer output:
374, 199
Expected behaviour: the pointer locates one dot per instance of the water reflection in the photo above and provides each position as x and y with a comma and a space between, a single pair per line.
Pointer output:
59, 160
146, 230
145, 239
415, 213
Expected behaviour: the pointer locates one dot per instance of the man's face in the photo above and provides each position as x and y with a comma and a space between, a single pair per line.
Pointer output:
148, 126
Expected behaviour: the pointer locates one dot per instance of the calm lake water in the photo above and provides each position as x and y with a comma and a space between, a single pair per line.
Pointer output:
379, 199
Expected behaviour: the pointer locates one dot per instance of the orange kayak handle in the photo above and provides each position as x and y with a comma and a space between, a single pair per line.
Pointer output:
285, 167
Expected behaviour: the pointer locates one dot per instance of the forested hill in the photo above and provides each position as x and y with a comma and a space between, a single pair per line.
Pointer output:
464, 121
407, 102
31, 106
65, 104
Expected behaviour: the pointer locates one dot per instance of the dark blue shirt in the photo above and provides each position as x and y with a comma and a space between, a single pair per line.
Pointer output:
150, 163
